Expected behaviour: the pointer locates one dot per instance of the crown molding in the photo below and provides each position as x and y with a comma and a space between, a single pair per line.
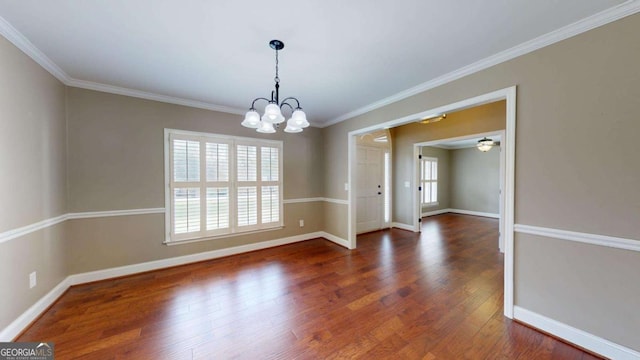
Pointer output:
22, 43
111, 89
27, 47
90, 85
627, 8
604, 17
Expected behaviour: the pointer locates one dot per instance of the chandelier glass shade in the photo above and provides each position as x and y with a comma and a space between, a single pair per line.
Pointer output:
273, 117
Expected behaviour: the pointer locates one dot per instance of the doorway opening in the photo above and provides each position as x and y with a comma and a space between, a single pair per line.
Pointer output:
373, 178
471, 181
508, 147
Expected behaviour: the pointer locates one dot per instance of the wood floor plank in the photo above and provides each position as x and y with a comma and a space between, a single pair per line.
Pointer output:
433, 295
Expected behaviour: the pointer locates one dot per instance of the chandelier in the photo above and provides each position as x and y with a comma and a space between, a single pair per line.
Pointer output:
273, 117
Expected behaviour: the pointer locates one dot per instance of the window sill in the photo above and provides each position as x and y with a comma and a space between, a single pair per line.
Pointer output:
431, 204
208, 238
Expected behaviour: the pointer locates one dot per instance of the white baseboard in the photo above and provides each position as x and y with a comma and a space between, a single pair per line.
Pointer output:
460, 211
563, 331
338, 240
187, 259
403, 226
19, 324
435, 212
475, 213
578, 337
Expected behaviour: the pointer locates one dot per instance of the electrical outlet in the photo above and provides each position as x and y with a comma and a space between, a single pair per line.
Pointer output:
346, 186
301, 223
32, 280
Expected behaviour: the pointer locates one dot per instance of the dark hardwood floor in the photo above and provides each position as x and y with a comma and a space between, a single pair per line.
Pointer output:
434, 295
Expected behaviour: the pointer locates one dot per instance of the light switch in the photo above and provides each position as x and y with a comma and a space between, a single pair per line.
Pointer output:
32, 280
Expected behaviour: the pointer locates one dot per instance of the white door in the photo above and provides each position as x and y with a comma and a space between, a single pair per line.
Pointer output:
370, 189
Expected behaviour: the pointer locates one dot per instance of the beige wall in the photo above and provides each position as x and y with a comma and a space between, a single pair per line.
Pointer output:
475, 180
573, 97
480, 119
116, 149
339, 216
116, 161
106, 242
467, 179
108, 151
32, 179
593, 288
444, 178
33, 140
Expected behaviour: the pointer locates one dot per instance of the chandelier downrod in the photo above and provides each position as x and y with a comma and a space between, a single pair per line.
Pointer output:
273, 117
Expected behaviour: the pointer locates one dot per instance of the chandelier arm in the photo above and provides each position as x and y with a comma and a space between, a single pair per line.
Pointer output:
292, 98
289, 105
254, 102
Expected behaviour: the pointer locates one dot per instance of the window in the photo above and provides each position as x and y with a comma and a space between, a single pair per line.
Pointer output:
429, 181
220, 185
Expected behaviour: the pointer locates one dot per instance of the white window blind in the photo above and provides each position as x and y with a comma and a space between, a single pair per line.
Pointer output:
186, 161
429, 181
220, 185
247, 206
270, 191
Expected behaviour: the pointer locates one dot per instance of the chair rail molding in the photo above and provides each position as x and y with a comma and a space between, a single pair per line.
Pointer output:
585, 238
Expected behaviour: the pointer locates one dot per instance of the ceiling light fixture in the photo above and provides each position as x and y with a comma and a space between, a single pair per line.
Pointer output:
485, 144
272, 117
432, 119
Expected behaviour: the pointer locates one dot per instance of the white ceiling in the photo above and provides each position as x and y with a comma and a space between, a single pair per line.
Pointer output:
340, 58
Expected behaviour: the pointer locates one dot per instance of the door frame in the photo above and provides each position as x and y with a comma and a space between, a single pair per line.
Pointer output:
508, 94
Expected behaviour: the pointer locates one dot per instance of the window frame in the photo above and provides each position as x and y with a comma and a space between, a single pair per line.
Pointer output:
233, 229
424, 182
